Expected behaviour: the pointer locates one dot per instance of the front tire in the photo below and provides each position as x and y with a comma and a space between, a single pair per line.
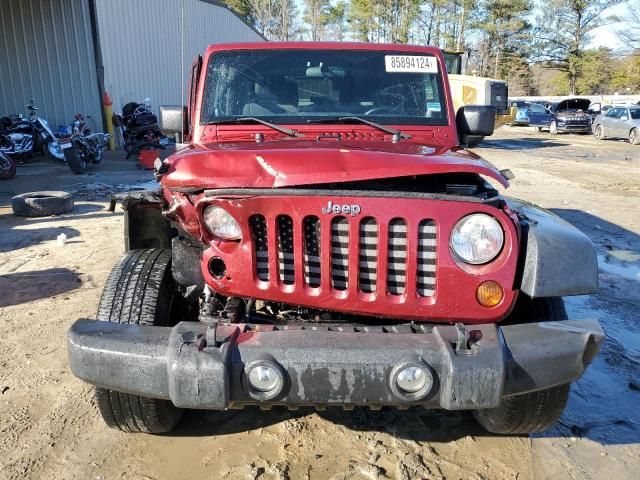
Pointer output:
534, 411
634, 137
140, 290
553, 128
599, 133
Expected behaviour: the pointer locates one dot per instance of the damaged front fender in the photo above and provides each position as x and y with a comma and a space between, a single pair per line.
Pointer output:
557, 259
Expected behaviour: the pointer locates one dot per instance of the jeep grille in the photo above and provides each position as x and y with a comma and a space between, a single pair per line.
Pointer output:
366, 263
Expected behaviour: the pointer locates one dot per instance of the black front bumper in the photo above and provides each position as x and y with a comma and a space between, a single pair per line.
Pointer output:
198, 365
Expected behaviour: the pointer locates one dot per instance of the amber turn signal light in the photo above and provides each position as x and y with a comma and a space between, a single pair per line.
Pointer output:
489, 294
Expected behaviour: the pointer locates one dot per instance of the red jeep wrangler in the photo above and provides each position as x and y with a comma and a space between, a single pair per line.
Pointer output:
324, 240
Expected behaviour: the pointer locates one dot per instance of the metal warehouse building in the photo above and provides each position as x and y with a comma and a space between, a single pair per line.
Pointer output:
64, 53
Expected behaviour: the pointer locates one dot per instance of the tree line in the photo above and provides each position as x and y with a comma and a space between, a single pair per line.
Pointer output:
539, 48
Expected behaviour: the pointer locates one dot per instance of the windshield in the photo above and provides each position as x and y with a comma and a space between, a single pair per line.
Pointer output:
298, 86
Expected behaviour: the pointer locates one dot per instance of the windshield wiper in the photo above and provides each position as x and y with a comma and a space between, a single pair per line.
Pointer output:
245, 120
397, 134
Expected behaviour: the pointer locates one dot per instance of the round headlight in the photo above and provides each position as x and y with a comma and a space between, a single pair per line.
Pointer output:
477, 239
219, 222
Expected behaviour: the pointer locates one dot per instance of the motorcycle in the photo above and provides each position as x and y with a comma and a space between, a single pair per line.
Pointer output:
26, 137
139, 128
7, 167
81, 147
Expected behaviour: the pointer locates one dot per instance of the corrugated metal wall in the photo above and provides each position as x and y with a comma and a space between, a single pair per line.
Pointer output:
140, 42
46, 52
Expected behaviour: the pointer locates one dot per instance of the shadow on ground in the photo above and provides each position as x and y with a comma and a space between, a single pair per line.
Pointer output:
23, 287
532, 143
415, 423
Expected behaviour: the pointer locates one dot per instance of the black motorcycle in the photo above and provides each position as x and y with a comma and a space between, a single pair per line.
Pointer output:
7, 167
139, 128
27, 137
81, 147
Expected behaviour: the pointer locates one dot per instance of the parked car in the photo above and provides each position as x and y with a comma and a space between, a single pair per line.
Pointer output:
619, 122
306, 250
539, 116
570, 115
521, 118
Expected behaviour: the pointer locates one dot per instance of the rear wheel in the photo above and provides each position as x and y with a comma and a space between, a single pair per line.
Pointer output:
535, 411
539, 129
140, 290
76, 162
634, 137
54, 150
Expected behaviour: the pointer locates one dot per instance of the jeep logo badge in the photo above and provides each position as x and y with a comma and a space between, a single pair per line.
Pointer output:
352, 210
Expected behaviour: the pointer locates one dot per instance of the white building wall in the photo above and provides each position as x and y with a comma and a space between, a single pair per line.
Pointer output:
141, 40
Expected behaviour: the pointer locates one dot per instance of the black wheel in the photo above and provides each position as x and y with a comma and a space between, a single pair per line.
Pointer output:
539, 129
7, 167
535, 411
634, 137
76, 162
140, 290
41, 204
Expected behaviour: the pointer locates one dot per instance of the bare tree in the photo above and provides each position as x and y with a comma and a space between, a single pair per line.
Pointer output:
631, 34
563, 32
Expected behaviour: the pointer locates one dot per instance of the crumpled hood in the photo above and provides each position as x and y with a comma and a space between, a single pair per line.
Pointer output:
290, 163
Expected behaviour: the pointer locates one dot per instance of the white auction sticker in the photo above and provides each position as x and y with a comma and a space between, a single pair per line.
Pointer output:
410, 64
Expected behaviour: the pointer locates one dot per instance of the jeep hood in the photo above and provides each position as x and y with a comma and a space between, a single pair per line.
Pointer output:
573, 104
289, 163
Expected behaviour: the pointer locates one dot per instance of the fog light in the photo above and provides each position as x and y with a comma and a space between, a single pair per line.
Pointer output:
489, 294
264, 379
411, 379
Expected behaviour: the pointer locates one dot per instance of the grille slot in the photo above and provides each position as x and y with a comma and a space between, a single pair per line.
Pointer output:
368, 258
285, 250
397, 257
340, 253
426, 281
311, 227
258, 226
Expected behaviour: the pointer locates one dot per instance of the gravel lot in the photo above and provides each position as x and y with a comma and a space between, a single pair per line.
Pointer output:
49, 426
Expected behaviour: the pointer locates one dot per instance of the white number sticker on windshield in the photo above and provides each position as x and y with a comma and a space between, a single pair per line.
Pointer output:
410, 64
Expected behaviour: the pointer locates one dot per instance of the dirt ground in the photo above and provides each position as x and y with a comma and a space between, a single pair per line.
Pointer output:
49, 425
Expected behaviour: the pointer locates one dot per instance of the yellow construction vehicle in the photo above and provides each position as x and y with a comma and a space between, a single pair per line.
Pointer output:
474, 90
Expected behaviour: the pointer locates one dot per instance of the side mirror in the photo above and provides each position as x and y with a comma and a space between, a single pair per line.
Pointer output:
624, 118
476, 120
173, 119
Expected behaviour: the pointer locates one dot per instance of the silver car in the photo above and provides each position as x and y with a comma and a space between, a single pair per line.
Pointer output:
619, 122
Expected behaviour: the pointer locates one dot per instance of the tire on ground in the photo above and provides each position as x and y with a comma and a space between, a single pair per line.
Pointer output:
535, 411
41, 204
140, 290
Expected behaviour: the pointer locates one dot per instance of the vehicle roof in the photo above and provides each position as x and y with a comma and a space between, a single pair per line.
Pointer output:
217, 47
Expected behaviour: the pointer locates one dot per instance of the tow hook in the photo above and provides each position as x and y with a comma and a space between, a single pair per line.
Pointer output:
461, 342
